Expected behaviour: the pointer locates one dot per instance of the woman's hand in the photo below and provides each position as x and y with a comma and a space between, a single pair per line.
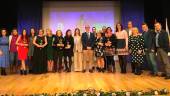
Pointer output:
39, 46
130, 51
126, 48
139, 52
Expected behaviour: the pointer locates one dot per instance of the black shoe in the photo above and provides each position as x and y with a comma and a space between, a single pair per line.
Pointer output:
123, 72
137, 73
3, 72
84, 71
30, 71
91, 71
133, 71
21, 72
93, 68
167, 77
154, 74
68, 70
99, 69
103, 70
163, 75
25, 72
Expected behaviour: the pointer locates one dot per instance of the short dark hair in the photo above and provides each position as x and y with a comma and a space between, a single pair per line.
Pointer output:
67, 32
144, 24
157, 23
108, 29
1, 31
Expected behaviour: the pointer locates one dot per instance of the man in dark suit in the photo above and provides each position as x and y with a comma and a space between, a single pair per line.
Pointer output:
149, 46
162, 45
129, 28
88, 40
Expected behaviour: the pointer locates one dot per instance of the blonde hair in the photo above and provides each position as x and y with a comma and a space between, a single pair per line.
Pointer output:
135, 29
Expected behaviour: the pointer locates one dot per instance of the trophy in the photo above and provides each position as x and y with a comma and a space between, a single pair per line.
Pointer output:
108, 42
41, 42
68, 45
60, 43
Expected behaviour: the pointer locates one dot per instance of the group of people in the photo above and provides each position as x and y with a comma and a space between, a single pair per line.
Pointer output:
90, 51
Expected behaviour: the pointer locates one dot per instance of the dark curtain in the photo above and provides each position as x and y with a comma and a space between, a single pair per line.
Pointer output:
29, 14
8, 17
132, 10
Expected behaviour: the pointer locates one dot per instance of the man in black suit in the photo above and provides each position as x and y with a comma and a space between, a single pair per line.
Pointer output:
149, 45
162, 45
88, 40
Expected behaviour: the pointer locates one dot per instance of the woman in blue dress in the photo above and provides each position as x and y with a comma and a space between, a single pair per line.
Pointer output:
4, 52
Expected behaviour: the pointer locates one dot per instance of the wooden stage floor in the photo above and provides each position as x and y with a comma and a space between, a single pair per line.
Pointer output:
62, 82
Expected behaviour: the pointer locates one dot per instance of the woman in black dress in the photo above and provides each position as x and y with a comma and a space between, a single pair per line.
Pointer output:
39, 55
68, 50
58, 51
136, 47
110, 49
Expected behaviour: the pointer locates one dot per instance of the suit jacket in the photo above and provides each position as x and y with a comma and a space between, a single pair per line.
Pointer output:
149, 40
85, 41
128, 32
163, 40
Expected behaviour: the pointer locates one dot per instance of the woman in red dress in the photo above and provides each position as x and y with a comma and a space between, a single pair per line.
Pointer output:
22, 43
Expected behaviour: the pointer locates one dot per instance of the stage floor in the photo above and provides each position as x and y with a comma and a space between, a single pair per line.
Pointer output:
62, 82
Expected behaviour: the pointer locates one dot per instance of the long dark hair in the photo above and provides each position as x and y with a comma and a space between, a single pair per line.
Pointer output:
78, 31
67, 33
24, 37
34, 32
120, 25
108, 29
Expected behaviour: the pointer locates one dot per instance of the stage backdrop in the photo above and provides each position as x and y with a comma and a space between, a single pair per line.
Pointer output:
65, 15
31, 13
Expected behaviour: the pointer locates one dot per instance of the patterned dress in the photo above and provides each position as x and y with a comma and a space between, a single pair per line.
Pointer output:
136, 43
99, 50
4, 58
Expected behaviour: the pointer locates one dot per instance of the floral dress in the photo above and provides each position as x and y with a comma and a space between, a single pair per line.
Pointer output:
99, 50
